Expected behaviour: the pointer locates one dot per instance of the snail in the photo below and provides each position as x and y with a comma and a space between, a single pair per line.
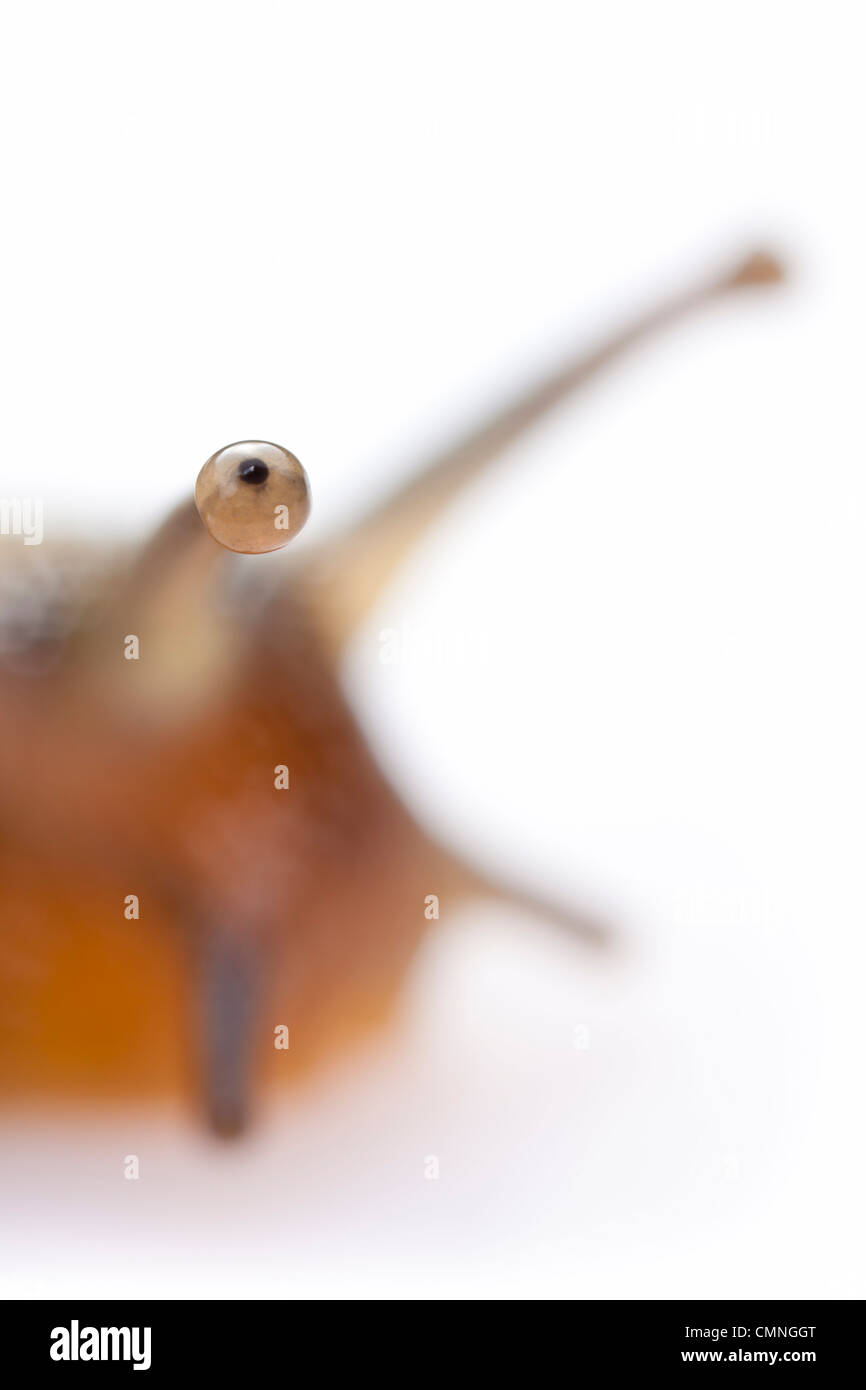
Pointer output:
206, 882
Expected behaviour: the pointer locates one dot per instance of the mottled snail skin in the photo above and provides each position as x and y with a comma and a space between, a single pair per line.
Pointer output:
253, 496
259, 906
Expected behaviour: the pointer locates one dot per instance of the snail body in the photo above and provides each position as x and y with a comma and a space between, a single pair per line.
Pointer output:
205, 879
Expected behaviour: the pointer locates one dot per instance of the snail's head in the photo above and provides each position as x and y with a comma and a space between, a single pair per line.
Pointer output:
191, 603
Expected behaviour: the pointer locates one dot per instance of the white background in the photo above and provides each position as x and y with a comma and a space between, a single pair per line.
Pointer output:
347, 227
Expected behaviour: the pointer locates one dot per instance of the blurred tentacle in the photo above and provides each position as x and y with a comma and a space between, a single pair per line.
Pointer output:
463, 881
348, 574
230, 985
174, 599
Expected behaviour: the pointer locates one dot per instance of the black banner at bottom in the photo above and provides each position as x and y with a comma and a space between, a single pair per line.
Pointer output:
225, 1338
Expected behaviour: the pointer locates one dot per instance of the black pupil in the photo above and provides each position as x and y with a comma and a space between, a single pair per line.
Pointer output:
253, 471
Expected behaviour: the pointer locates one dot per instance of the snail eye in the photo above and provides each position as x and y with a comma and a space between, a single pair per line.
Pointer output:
253, 496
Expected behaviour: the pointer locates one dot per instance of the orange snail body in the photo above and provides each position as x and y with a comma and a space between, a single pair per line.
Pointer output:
263, 847
197, 850
191, 823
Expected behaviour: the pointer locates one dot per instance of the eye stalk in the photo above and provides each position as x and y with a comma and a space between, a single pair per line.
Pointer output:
253, 496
